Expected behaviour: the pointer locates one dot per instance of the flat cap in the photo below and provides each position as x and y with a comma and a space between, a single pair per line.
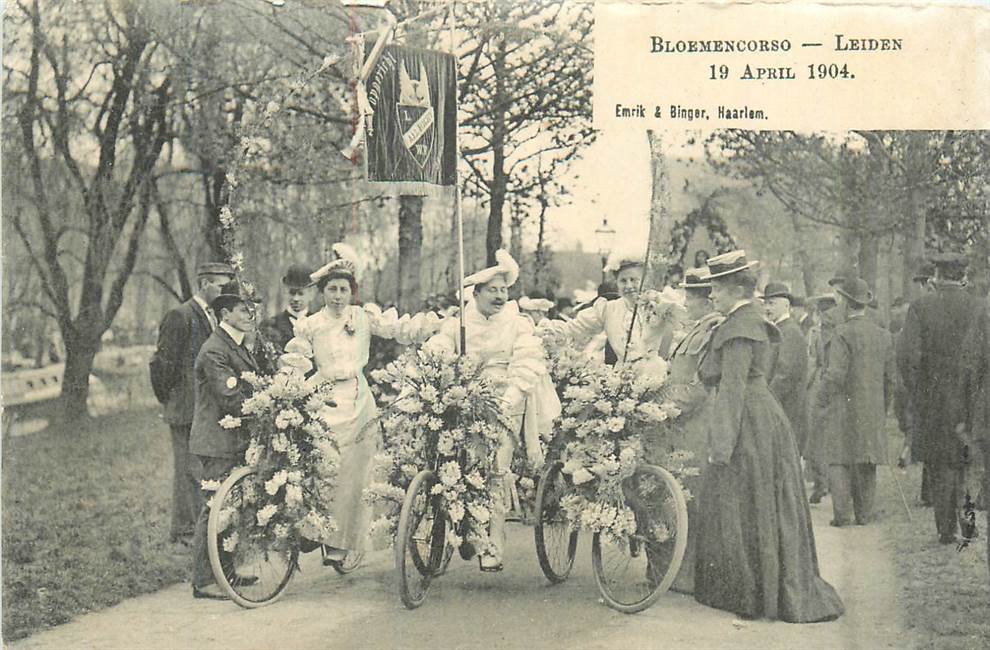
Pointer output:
215, 268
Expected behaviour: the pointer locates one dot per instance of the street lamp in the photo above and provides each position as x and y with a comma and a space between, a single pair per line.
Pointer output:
605, 238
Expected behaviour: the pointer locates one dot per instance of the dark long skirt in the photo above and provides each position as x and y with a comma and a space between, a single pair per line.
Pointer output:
756, 550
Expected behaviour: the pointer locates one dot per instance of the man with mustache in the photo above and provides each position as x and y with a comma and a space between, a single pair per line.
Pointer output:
511, 354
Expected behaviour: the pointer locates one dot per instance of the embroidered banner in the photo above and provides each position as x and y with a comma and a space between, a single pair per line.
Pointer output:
411, 138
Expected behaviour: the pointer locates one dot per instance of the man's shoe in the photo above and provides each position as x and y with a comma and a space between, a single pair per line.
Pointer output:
243, 581
212, 592
489, 563
838, 524
333, 556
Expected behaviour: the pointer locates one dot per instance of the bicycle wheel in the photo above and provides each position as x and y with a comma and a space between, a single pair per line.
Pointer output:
556, 542
633, 572
251, 575
421, 549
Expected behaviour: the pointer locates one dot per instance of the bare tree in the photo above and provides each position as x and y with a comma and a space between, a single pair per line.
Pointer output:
91, 113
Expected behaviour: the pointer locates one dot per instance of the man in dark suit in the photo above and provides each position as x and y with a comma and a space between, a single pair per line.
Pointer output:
859, 385
279, 328
799, 312
932, 358
180, 335
828, 316
788, 361
220, 391
976, 425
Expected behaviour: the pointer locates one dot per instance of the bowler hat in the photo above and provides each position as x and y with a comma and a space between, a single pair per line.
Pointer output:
696, 279
231, 294
215, 268
728, 263
856, 290
777, 290
297, 277
843, 275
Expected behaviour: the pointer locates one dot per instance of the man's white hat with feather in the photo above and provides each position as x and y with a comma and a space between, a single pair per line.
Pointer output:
505, 265
345, 261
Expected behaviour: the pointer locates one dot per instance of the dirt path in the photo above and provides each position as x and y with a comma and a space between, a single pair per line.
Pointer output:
514, 609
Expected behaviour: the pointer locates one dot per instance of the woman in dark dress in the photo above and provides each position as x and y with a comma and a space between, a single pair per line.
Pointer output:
756, 549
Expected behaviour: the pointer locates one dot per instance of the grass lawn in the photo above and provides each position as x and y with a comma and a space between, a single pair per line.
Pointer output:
945, 593
85, 519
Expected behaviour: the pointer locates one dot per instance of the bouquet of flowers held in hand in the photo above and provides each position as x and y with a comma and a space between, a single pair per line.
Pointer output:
295, 460
612, 420
444, 415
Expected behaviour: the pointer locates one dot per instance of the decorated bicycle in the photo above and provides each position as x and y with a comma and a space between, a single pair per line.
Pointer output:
314, 430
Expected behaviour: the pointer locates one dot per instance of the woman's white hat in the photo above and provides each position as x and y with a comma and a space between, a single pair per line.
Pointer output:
505, 265
625, 258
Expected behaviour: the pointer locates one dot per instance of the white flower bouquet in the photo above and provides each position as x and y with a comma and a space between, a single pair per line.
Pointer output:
442, 414
611, 418
295, 460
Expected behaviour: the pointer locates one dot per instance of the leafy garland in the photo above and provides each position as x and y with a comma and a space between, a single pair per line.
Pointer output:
443, 414
295, 461
252, 150
681, 233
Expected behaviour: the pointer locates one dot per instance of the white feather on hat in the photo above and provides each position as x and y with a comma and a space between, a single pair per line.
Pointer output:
621, 258
346, 259
504, 265
535, 304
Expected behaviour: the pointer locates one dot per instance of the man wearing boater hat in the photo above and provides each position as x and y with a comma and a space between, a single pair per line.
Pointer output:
932, 357
858, 387
513, 357
180, 336
279, 328
788, 360
220, 391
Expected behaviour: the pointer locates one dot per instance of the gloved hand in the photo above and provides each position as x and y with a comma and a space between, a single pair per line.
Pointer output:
512, 400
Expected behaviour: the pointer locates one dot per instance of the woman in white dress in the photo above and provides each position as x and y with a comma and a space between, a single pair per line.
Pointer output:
337, 338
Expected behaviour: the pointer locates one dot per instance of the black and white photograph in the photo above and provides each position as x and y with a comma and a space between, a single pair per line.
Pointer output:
490, 324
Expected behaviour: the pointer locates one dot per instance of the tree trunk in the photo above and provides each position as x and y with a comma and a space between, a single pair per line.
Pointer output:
914, 241
500, 181
80, 351
410, 292
660, 214
516, 247
869, 252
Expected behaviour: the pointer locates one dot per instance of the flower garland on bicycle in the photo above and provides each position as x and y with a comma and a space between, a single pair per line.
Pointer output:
504, 342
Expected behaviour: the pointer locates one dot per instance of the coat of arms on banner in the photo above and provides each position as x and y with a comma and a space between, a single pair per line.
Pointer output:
411, 136
415, 114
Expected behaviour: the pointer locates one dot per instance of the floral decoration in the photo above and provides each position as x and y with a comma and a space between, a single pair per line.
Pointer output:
442, 414
295, 459
612, 419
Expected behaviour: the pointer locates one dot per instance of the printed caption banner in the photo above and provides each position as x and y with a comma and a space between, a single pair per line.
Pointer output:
791, 65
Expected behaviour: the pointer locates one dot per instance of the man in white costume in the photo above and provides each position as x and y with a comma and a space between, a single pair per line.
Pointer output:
505, 342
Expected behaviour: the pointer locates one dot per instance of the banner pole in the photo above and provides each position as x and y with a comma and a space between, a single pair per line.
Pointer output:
462, 348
